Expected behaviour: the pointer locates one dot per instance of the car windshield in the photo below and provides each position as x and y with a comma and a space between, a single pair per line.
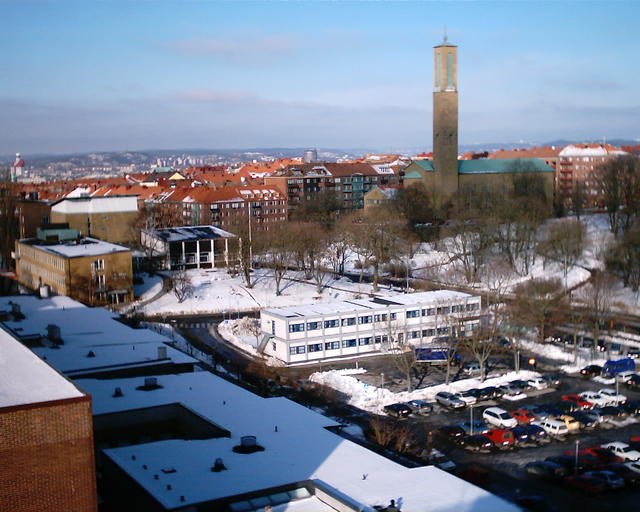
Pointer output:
505, 416
627, 449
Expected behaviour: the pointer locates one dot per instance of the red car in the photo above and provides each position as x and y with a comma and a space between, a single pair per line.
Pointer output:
502, 438
523, 416
595, 454
577, 399
634, 442
587, 484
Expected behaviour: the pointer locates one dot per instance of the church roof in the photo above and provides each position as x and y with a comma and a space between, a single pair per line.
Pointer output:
503, 165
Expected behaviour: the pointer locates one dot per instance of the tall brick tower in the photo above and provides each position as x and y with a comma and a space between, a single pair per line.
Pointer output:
445, 119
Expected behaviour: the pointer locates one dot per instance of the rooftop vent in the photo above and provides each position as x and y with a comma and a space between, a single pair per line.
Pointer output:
91, 353
117, 393
162, 352
248, 444
218, 466
150, 383
53, 333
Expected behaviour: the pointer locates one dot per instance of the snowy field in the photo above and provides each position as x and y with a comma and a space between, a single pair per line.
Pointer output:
215, 291
149, 287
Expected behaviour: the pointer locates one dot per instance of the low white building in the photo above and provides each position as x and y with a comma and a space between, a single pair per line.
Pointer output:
349, 328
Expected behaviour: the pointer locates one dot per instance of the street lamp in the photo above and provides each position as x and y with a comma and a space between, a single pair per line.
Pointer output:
471, 422
575, 467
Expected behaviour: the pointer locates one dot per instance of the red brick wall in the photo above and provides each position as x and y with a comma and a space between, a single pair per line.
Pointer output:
46, 457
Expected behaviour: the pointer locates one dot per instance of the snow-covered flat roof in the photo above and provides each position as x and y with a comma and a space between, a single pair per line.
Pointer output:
27, 379
299, 449
87, 247
84, 329
361, 305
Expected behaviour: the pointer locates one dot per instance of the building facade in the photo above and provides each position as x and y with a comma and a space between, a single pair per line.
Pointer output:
347, 329
86, 269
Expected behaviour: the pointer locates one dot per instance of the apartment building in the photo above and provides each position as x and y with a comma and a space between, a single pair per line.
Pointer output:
86, 269
349, 181
578, 163
349, 328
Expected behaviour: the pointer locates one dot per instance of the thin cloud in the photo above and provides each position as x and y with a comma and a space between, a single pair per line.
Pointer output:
236, 51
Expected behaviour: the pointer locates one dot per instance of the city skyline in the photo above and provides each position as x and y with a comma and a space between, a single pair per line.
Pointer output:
134, 75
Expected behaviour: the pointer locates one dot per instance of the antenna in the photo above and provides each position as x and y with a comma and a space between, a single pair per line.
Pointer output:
444, 39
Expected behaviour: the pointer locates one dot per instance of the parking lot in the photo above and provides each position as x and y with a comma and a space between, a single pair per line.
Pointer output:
507, 467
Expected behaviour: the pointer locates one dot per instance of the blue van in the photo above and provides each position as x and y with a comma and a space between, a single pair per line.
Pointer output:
613, 368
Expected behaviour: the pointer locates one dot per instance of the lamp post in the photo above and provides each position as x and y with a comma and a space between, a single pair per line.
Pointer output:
471, 419
575, 467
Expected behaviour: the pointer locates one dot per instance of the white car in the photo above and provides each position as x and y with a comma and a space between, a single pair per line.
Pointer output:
625, 376
499, 418
538, 383
466, 397
595, 398
555, 428
623, 450
614, 398
633, 466
441, 461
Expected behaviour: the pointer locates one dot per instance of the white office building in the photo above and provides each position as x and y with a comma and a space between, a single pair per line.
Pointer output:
349, 328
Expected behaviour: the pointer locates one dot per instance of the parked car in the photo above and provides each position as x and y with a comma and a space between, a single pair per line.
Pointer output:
614, 398
594, 398
573, 425
477, 427
466, 397
545, 470
614, 367
441, 461
588, 484
536, 433
476, 443
634, 441
522, 436
611, 480
523, 385
567, 407
631, 478
491, 393
611, 412
633, 466
631, 407
449, 400
502, 438
603, 455
633, 382
592, 370
587, 422
623, 450
511, 392
451, 432
625, 376
523, 416
555, 428
398, 410
472, 368
582, 402
420, 406
498, 417
538, 383
568, 462
549, 411
534, 504
553, 381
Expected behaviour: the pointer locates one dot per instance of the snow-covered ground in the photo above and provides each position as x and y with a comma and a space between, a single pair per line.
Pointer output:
149, 287
372, 398
215, 291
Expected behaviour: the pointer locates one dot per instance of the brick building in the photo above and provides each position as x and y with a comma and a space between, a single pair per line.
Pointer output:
46, 439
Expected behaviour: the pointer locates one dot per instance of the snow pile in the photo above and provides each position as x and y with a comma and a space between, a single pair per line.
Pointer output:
149, 287
371, 398
239, 333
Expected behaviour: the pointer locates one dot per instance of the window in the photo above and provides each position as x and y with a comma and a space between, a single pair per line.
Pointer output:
364, 319
382, 339
296, 327
400, 337
273, 327
328, 324
297, 350
316, 347
380, 318
443, 330
332, 345
348, 343
446, 310
393, 316
428, 332
413, 314
348, 321
98, 265
364, 341
415, 334
312, 326
100, 280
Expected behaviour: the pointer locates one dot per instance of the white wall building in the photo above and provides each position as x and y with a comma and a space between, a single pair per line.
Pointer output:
350, 328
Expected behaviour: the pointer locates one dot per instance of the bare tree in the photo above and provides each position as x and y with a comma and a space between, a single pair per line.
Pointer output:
182, 285
597, 296
619, 182
278, 252
623, 258
563, 243
537, 303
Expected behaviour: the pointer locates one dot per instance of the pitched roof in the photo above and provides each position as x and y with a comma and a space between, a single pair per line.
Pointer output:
541, 152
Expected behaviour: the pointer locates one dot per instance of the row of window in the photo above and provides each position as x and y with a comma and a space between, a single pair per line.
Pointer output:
335, 345
367, 319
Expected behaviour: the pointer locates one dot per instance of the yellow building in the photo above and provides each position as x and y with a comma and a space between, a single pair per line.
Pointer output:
86, 269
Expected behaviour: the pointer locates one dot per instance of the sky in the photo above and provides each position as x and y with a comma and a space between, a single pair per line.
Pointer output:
130, 75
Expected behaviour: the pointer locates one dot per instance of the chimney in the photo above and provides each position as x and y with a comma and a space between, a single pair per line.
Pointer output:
162, 352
